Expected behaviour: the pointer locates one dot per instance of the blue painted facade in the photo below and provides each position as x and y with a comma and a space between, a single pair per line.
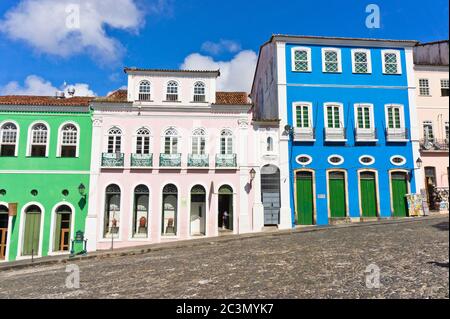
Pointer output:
318, 88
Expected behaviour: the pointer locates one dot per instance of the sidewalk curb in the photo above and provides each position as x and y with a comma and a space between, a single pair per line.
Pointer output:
46, 261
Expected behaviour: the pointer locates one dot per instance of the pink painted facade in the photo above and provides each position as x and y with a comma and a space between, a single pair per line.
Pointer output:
224, 120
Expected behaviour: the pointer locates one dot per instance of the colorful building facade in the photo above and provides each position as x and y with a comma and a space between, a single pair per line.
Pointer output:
347, 108
171, 161
45, 152
432, 82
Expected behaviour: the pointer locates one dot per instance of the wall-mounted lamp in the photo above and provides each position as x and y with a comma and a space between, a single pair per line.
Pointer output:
419, 164
82, 190
288, 129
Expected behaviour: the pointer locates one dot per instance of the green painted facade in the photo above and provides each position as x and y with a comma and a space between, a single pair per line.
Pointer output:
47, 182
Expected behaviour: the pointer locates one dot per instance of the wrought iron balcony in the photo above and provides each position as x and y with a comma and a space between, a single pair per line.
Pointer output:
396, 134
365, 135
433, 145
170, 160
304, 134
226, 160
142, 160
198, 160
335, 134
113, 160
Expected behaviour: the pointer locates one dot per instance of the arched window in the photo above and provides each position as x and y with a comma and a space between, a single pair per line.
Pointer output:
143, 141
141, 211
199, 92
62, 228
8, 139
145, 91
112, 211
199, 142
269, 144
114, 140
39, 140
69, 141
171, 141
226, 142
172, 91
170, 210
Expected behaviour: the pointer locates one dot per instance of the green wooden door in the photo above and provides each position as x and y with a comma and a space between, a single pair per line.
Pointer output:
399, 190
32, 232
305, 198
368, 194
337, 195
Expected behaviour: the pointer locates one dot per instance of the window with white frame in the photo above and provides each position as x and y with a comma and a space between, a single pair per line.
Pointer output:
114, 140
301, 60
172, 91
361, 59
395, 116
424, 87
39, 140
445, 87
364, 116
69, 141
391, 62
331, 60
199, 142
303, 115
226, 142
269, 144
199, 92
428, 131
334, 116
8, 139
143, 141
171, 140
145, 91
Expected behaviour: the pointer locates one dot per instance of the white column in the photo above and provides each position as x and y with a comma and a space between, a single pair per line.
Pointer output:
91, 231
244, 178
258, 207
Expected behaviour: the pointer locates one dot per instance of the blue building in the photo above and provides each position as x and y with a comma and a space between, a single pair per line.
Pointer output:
347, 124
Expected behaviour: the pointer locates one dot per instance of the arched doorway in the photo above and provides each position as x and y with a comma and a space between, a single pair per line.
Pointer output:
62, 228
140, 211
4, 219
368, 191
399, 185
337, 194
226, 210
198, 210
270, 192
170, 210
304, 186
111, 222
32, 231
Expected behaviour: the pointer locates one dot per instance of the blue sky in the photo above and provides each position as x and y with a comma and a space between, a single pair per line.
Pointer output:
164, 33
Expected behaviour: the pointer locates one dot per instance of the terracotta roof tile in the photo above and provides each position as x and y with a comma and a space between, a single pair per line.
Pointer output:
232, 98
118, 96
44, 100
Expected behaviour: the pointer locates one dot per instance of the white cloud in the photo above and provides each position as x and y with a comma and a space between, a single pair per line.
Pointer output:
216, 48
236, 75
67, 27
35, 85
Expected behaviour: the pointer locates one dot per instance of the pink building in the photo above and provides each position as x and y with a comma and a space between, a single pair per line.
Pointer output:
171, 160
432, 80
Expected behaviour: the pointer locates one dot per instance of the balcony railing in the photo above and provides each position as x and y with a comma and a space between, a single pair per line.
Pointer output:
145, 97
365, 135
113, 160
304, 134
434, 145
335, 134
198, 160
142, 160
170, 160
226, 160
396, 135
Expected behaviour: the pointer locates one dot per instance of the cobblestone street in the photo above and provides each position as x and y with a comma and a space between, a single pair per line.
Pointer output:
331, 263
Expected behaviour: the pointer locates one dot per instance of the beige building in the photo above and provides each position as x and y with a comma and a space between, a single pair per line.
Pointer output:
432, 81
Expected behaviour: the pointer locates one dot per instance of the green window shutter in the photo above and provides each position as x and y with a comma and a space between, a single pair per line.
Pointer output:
330, 116
360, 118
31, 233
298, 111
368, 195
367, 117
305, 116
337, 195
397, 118
57, 242
390, 118
305, 198
337, 117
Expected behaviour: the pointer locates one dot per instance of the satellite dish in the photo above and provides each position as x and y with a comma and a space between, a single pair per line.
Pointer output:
71, 91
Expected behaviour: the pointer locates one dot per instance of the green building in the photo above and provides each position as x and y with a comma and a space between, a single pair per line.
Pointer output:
45, 153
